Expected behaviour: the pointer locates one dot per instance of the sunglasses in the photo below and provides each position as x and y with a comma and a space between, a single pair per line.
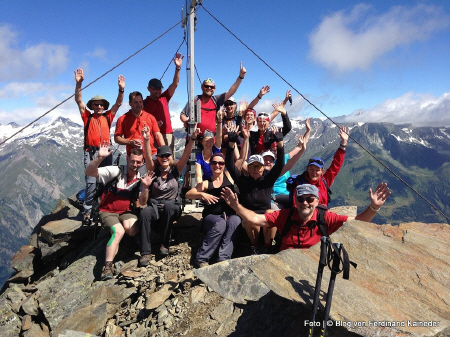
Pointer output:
255, 167
98, 104
165, 155
209, 86
220, 163
229, 104
308, 199
317, 161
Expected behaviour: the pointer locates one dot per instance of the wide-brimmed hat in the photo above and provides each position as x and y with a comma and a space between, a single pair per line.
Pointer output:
97, 98
256, 158
163, 149
155, 83
306, 189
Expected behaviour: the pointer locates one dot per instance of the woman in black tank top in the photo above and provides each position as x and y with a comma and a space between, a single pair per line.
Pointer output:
219, 219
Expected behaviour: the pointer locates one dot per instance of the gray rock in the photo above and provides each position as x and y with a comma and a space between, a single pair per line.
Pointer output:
16, 298
23, 259
223, 310
10, 322
30, 306
66, 230
234, 279
72, 333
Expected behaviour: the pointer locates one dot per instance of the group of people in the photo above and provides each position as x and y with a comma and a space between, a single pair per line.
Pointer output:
242, 173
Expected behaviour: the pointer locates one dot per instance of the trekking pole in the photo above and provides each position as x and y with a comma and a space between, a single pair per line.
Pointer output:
334, 271
322, 264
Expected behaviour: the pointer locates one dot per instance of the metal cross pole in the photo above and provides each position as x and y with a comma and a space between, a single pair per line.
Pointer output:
194, 109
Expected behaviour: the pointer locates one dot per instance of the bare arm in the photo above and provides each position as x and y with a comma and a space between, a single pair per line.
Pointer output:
159, 138
236, 84
275, 112
178, 61
246, 215
148, 149
198, 173
119, 99
198, 192
377, 199
187, 150
295, 155
264, 90
79, 77
218, 141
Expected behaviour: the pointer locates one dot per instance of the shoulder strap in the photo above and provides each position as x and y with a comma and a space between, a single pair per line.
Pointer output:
321, 210
288, 224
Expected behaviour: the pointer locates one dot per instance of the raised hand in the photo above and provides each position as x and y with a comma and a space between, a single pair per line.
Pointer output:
264, 90
232, 133
230, 197
343, 133
148, 179
195, 133
279, 107
145, 132
301, 142
178, 60
378, 198
242, 71
307, 124
242, 107
79, 76
103, 150
121, 82
245, 131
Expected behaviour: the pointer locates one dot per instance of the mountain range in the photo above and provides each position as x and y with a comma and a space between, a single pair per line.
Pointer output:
44, 163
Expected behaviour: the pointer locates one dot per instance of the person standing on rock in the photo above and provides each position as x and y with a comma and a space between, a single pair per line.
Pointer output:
157, 104
303, 233
118, 201
96, 131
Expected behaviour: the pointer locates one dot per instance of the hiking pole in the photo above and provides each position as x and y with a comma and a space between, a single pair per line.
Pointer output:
334, 271
322, 264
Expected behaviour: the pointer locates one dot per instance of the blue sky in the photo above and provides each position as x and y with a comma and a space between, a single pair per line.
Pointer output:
378, 61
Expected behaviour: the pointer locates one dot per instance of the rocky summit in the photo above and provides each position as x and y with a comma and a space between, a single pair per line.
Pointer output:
399, 287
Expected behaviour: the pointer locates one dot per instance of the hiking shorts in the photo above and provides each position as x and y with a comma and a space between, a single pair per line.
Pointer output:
111, 219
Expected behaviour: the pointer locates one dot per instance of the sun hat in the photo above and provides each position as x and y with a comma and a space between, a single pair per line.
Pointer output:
97, 98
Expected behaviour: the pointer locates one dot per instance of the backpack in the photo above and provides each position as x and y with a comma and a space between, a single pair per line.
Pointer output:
86, 128
111, 186
299, 179
321, 209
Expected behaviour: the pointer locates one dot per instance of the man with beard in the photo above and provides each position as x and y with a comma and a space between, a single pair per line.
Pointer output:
117, 202
301, 233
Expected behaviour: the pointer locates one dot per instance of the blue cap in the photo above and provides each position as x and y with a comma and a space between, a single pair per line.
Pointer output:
316, 161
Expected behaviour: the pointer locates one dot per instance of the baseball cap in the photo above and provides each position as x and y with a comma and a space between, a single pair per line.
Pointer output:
164, 149
155, 83
306, 189
268, 153
256, 158
316, 161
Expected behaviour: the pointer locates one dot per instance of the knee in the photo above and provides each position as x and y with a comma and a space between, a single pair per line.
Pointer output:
147, 214
217, 224
118, 232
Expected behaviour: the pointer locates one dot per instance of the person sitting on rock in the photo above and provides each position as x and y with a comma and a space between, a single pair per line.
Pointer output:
302, 233
219, 220
317, 176
117, 202
164, 202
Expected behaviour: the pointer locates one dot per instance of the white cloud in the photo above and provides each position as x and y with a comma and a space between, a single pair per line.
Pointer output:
418, 109
40, 60
99, 53
28, 89
354, 40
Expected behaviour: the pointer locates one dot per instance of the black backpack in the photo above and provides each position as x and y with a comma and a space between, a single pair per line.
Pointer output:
300, 179
321, 209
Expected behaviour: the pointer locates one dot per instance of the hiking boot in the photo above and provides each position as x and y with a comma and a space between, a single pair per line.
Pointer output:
200, 264
145, 260
164, 251
87, 220
254, 250
108, 271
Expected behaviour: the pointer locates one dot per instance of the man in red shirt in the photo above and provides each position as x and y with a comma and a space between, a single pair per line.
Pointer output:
116, 207
96, 131
157, 104
300, 234
211, 103
129, 126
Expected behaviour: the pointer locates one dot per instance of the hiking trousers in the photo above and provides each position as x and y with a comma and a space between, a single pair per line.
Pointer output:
163, 212
219, 234
91, 182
